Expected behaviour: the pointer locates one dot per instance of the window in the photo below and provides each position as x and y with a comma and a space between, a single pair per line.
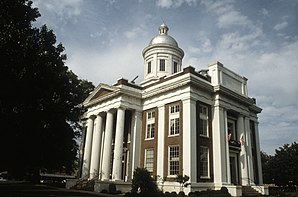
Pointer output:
150, 115
176, 67
150, 131
174, 109
173, 160
162, 65
231, 130
174, 126
150, 125
203, 122
149, 158
204, 162
174, 119
149, 67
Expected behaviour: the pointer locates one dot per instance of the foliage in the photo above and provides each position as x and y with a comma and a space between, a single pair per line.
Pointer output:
182, 180
282, 168
40, 97
142, 182
266, 161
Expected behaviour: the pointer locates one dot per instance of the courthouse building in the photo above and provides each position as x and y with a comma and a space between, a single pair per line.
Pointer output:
177, 121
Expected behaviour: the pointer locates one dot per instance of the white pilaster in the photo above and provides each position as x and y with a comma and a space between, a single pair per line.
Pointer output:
243, 158
160, 141
219, 146
87, 149
135, 145
106, 163
118, 148
258, 150
189, 140
96, 146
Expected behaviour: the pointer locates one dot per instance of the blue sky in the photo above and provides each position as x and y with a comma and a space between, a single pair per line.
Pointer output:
257, 39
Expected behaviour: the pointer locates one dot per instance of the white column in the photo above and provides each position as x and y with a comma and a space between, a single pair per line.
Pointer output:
96, 146
219, 146
243, 158
249, 151
135, 144
189, 139
87, 149
106, 163
228, 175
118, 148
258, 153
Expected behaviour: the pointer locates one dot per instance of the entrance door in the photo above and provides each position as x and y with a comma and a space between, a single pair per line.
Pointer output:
234, 170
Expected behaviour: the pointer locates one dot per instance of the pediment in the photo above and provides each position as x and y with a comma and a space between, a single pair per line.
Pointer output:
99, 92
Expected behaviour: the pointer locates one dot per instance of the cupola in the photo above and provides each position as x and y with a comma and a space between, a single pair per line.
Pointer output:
162, 57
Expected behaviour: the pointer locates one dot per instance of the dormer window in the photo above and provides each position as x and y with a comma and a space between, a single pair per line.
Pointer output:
162, 65
149, 67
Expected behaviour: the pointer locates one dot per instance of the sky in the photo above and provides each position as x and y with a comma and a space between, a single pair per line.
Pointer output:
104, 39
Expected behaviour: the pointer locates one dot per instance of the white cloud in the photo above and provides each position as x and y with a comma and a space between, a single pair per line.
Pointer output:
265, 12
280, 26
174, 3
63, 10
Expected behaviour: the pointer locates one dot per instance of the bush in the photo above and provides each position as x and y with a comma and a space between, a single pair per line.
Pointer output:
142, 182
112, 188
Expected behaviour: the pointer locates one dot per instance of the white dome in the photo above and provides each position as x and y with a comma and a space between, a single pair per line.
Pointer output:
163, 37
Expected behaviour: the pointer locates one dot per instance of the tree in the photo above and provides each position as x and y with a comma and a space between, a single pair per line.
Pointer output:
282, 168
285, 164
40, 97
142, 182
266, 161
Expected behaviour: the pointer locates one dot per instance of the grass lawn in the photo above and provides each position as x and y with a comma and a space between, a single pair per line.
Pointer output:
22, 189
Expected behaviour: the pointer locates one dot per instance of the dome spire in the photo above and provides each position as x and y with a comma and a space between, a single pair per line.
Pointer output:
163, 29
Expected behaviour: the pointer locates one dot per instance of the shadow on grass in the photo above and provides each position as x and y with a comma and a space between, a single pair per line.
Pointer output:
23, 189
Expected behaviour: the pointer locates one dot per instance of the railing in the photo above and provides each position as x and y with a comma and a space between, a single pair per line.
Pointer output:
84, 183
258, 188
235, 144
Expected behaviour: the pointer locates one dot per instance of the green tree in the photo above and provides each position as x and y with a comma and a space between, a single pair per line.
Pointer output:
40, 97
266, 161
285, 164
143, 182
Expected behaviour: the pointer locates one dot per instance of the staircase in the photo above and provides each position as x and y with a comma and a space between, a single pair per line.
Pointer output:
249, 191
85, 184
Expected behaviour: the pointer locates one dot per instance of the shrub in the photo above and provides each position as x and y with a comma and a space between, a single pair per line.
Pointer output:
142, 182
112, 188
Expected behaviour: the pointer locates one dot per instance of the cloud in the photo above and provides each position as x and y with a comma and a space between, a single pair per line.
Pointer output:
57, 12
280, 26
174, 3
265, 12
109, 65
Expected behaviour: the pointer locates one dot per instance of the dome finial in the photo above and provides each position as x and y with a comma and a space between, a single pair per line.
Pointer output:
163, 29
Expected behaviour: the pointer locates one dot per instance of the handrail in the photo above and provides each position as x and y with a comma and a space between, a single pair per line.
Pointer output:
259, 188
85, 178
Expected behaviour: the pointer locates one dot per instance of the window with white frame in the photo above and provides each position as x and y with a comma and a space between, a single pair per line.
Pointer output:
150, 125
203, 124
204, 162
162, 65
149, 67
173, 158
176, 67
174, 119
149, 158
